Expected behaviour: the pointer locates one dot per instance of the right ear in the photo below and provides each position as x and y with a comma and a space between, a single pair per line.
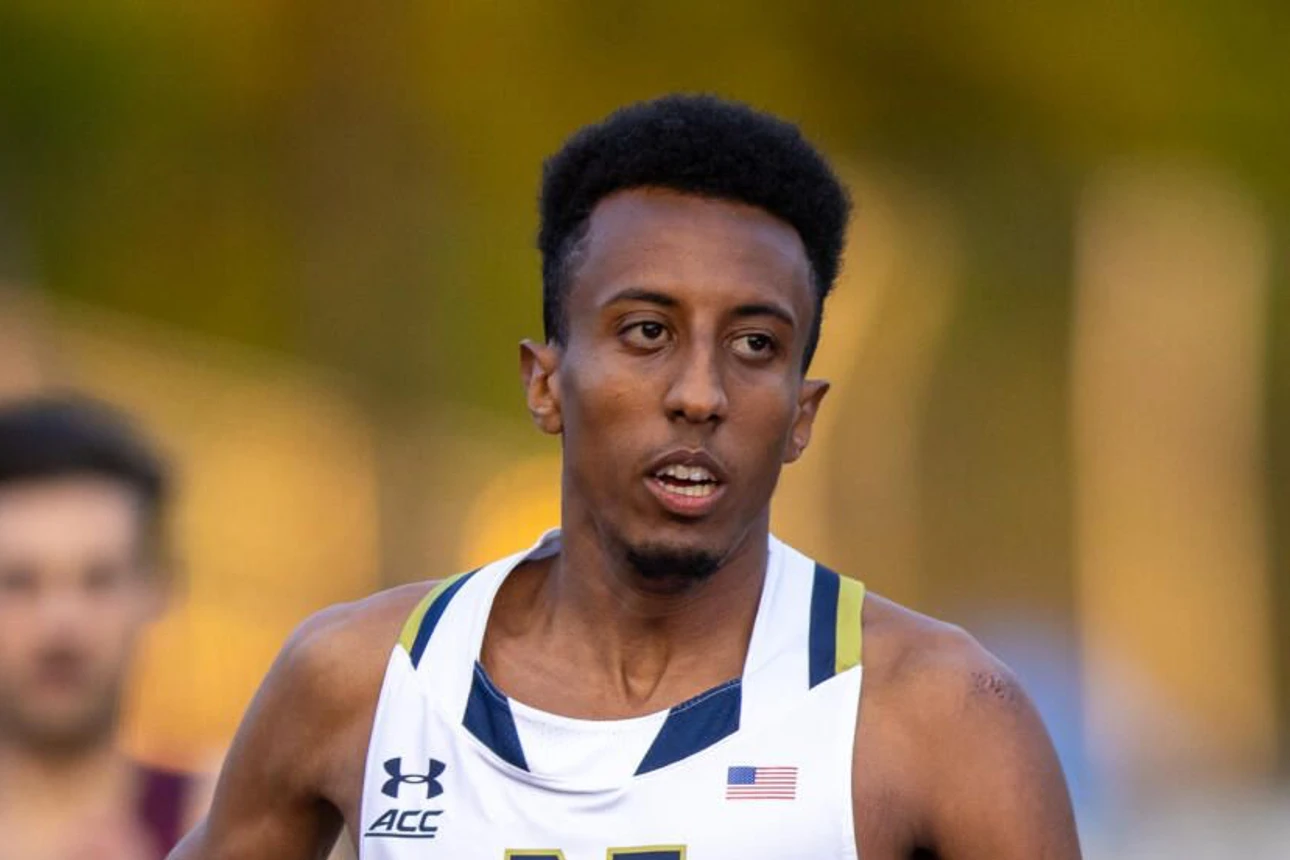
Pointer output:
540, 372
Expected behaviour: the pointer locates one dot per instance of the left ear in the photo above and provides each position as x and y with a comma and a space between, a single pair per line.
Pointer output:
808, 405
540, 372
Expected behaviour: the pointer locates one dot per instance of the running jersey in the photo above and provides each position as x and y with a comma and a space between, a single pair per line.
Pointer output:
758, 768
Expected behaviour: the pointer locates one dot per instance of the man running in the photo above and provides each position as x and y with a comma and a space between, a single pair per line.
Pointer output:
660, 678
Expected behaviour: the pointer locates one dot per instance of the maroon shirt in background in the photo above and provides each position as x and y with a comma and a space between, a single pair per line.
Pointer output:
163, 804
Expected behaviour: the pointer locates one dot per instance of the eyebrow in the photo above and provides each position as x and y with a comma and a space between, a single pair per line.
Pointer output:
637, 294
755, 309
766, 310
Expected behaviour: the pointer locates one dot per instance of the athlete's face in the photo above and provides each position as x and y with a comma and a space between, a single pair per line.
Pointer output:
679, 391
74, 597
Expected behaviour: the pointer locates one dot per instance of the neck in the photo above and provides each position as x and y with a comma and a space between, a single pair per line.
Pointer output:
32, 778
649, 645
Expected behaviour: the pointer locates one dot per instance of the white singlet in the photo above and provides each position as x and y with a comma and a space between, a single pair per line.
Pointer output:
758, 768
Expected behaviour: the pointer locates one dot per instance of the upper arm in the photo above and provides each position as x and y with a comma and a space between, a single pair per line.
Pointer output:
269, 800
992, 781
950, 755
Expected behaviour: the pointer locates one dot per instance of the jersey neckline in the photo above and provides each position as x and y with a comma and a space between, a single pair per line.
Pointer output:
685, 729
548, 545
806, 631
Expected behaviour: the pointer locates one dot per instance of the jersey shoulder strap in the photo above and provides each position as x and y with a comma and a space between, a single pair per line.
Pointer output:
425, 617
835, 639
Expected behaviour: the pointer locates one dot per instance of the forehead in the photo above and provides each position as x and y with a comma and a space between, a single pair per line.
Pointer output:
65, 519
717, 249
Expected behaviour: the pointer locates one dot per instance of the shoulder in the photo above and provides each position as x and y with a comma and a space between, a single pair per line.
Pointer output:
306, 728
947, 733
330, 670
340, 652
931, 669
294, 769
933, 691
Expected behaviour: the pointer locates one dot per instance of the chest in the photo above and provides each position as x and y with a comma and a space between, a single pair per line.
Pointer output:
777, 786
558, 676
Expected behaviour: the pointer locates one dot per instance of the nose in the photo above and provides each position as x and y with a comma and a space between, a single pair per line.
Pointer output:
697, 393
65, 606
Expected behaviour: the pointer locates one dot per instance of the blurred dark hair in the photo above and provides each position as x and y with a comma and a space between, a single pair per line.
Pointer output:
56, 436
699, 144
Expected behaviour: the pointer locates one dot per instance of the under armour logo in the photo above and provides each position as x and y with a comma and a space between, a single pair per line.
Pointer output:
394, 767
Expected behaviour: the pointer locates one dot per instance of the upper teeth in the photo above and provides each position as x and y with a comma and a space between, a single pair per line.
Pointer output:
687, 473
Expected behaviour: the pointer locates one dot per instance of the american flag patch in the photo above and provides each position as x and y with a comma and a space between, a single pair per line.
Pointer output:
761, 783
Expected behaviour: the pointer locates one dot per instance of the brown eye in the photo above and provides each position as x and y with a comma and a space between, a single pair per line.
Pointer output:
103, 578
755, 345
17, 581
645, 335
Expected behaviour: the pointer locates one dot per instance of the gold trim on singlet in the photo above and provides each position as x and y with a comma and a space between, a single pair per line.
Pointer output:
850, 636
413, 624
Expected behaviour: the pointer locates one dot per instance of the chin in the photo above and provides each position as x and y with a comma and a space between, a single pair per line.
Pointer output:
69, 728
673, 564
672, 555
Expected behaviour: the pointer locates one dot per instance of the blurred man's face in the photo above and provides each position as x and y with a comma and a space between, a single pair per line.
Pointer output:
74, 596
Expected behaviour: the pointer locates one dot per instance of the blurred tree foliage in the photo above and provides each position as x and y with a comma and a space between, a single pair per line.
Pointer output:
354, 183
322, 177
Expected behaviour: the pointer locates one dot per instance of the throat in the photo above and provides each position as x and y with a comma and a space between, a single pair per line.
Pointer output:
593, 648
53, 789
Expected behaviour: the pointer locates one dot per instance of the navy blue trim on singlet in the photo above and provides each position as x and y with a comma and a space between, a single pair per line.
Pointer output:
432, 616
822, 647
489, 719
694, 725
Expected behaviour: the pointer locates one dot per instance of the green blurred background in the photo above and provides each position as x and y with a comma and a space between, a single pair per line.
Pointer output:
297, 239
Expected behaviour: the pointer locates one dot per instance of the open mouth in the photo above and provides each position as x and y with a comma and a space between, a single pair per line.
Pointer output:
693, 482
687, 484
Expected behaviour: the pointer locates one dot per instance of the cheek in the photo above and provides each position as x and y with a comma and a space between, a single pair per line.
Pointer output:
22, 622
603, 402
766, 417
116, 622
17, 639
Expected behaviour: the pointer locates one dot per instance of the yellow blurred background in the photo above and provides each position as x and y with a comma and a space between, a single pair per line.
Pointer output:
296, 239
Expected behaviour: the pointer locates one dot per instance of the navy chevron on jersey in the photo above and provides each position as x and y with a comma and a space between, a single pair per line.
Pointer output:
758, 768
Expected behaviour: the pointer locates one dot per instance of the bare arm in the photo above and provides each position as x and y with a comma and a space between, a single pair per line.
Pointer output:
998, 789
951, 757
268, 801
294, 771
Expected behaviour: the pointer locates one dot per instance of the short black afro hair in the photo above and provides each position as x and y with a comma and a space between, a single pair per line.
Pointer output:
698, 144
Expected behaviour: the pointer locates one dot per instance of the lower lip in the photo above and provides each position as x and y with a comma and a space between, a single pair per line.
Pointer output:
679, 503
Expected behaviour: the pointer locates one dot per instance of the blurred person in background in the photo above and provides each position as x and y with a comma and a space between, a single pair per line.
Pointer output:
82, 571
660, 678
